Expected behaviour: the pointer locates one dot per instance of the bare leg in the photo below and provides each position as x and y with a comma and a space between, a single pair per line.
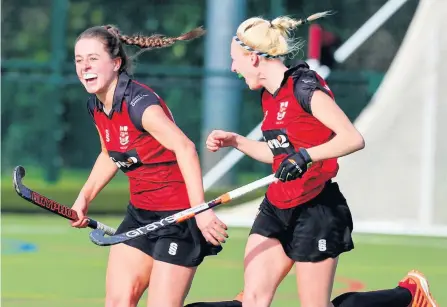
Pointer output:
315, 280
169, 284
266, 264
128, 274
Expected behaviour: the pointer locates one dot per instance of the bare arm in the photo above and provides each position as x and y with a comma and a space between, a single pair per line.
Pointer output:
258, 150
347, 139
255, 149
171, 137
102, 172
166, 132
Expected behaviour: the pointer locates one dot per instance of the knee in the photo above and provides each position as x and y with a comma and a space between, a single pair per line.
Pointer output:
120, 301
256, 299
121, 298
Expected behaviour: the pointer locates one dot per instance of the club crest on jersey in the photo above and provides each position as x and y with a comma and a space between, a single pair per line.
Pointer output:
282, 110
124, 135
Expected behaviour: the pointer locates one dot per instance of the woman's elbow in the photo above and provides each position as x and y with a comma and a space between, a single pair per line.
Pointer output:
186, 147
358, 142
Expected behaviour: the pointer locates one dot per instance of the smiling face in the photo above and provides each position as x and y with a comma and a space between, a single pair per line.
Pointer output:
95, 68
245, 64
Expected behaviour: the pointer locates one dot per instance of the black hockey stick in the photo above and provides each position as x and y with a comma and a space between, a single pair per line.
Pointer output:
97, 236
51, 205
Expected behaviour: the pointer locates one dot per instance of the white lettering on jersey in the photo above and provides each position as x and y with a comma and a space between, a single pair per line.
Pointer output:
137, 98
265, 115
126, 164
107, 135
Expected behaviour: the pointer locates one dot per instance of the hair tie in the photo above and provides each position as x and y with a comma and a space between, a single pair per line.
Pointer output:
112, 30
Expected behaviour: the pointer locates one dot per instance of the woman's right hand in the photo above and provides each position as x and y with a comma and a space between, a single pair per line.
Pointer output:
212, 228
219, 138
81, 207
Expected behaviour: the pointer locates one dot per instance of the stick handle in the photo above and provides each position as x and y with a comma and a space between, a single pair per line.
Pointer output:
224, 198
98, 225
248, 188
97, 236
49, 204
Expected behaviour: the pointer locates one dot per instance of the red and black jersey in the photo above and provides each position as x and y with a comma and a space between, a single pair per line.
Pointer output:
288, 125
155, 180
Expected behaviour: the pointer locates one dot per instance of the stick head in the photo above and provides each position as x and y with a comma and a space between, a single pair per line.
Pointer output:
17, 175
98, 237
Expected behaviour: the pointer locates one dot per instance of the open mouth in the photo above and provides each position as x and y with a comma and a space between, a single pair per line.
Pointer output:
90, 78
239, 75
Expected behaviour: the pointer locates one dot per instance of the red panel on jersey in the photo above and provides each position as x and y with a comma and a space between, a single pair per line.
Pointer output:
155, 180
287, 127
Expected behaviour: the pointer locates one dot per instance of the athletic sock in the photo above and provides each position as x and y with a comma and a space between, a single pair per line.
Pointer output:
397, 297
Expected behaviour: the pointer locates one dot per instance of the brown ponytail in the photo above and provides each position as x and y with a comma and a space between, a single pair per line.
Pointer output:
114, 41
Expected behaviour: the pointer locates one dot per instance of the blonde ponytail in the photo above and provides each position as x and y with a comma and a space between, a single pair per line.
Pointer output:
272, 39
285, 24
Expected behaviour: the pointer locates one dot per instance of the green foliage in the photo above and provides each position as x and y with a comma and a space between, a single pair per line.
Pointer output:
45, 121
26, 29
170, 18
32, 121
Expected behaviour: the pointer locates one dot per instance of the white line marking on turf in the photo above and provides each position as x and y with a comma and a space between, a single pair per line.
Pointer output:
37, 229
437, 243
403, 241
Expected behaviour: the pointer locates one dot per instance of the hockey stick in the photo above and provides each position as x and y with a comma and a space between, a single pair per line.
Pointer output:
51, 205
97, 236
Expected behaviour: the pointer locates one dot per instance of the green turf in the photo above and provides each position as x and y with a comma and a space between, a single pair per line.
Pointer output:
68, 270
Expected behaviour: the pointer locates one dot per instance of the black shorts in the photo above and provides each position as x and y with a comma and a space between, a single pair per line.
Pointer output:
314, 231
181, 244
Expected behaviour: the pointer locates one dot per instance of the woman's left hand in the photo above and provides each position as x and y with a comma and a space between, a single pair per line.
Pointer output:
294, 166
